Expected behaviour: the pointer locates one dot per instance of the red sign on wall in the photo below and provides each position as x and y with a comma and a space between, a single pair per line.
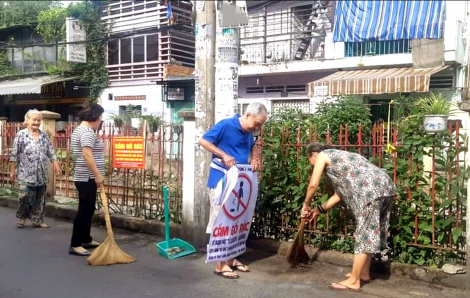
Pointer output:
128, 152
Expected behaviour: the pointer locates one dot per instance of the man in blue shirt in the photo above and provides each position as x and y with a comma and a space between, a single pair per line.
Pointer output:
231, 142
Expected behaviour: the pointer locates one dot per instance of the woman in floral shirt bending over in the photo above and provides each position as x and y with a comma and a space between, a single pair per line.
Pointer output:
32, 149
367, 191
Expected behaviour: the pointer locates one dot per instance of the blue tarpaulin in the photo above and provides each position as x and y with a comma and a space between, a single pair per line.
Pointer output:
357, 21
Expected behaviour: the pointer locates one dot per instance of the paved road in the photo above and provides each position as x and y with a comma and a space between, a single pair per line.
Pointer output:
35, 263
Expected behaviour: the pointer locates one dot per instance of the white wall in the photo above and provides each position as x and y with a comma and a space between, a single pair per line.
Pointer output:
151, 105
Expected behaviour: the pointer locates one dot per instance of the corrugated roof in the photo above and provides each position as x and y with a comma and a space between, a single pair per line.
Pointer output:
374, 81
29, 85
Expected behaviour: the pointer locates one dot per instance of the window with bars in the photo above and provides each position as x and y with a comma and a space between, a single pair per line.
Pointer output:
254, 90
296, 88
274, 89
441, 82
372, 48
281, 105
299, 88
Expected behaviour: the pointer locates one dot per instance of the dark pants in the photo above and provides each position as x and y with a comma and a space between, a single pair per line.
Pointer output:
86, 208
32, 203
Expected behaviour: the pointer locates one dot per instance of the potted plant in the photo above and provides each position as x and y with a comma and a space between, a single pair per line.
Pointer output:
435, 109
154, 122
118, 120
134, 115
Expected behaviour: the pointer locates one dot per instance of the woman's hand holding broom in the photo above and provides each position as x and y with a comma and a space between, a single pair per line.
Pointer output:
296, 253
309, 214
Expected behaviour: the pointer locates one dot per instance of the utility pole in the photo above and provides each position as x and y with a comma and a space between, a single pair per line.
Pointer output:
204, 114
226, 71
229, 19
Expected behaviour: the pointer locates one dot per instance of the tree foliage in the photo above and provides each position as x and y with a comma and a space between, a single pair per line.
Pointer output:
51, 27
5, 69
23, 12
344, 110
51, 24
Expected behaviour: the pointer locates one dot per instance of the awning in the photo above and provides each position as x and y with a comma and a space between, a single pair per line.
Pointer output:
29, 85
373, 81
358, 21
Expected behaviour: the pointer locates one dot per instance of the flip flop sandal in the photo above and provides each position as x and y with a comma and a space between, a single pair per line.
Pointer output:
364, 282
241, 268
20, 224
42, 225
222, 274
346, 288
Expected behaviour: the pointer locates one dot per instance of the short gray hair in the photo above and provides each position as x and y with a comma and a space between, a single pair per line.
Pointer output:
256, 109
31, 113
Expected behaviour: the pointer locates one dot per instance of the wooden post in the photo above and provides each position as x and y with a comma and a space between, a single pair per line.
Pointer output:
3, 121
204, 118
48, 126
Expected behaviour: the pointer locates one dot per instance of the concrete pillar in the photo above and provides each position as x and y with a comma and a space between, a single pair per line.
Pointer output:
48, 126
189, 137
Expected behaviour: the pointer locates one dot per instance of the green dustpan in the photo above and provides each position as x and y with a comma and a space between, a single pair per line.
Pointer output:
172, 248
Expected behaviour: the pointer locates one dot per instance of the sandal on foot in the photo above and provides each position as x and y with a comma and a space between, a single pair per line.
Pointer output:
237, 265
241, 268
21, 223
42, 225
344, 287
225, 275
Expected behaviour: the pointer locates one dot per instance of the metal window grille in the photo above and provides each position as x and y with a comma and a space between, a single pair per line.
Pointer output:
372, 48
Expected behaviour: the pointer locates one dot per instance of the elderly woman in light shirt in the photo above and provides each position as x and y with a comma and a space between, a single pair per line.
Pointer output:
32, 149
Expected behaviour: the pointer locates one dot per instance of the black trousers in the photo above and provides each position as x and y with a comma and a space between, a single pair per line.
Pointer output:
86, 209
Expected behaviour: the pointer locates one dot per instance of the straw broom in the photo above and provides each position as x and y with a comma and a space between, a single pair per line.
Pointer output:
108, 253
296, 253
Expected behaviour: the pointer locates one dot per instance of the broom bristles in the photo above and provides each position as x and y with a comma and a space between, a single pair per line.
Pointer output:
296, 253
109, 253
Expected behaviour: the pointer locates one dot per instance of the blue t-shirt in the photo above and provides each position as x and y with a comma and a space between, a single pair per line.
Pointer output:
228, 136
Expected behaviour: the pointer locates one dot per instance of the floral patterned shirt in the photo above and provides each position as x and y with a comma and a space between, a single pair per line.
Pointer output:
31, 157
357, 180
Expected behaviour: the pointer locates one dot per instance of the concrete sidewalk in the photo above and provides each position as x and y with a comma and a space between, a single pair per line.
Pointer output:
36, 263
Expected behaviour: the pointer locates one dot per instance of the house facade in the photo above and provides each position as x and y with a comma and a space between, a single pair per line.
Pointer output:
288, 46
28, 86
145, 37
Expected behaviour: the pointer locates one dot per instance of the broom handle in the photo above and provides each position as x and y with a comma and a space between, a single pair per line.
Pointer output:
167, 215
104, 201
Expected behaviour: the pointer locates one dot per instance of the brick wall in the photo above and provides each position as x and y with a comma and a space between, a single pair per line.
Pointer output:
177, 71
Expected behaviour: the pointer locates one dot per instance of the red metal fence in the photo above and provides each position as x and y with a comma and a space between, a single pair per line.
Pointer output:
429, 212
431, 205
131, 192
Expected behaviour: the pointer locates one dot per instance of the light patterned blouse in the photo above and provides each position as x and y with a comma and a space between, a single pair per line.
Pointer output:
31, 157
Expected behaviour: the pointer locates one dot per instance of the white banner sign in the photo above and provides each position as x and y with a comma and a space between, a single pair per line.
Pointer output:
232, 225
320, 91
75, 32
175, 94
